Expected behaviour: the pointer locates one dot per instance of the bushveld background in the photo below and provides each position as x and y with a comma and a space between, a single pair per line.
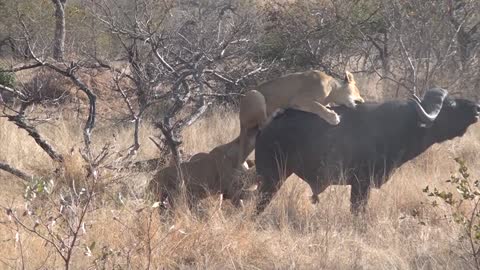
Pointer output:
95, 92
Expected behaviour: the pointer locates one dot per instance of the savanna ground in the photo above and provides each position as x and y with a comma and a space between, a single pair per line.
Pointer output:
401, 229
168, 61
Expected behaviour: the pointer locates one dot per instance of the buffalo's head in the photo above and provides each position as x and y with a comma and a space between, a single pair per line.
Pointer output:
444, 116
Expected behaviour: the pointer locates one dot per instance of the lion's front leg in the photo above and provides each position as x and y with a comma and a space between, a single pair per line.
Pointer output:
317, 108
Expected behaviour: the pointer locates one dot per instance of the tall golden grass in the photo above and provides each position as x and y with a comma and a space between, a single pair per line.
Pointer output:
399, 231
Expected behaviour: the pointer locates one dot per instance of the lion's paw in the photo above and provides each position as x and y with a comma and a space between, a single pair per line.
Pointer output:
334, 120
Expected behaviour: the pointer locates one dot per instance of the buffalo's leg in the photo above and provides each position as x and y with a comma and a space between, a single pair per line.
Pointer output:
272, 169
359, 198
268, 188
317, 184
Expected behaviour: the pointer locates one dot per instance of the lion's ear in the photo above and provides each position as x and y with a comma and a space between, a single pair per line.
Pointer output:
349, 77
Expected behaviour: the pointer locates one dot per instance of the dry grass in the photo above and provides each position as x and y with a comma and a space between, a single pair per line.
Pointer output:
399, 231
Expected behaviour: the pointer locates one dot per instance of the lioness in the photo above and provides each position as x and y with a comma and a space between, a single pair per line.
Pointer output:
204, 174
308, 91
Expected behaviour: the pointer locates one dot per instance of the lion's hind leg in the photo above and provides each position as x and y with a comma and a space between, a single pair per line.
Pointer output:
253, 114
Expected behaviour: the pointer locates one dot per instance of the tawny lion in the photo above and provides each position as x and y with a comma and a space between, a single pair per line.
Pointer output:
308, 91
205, 174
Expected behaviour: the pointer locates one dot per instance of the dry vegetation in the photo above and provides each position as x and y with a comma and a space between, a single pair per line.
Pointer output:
175, 69
400, 231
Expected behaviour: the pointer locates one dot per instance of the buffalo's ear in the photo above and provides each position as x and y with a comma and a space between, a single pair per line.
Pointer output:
349, 77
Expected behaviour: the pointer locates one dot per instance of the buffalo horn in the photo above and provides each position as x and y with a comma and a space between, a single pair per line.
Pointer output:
424, 116
433, 99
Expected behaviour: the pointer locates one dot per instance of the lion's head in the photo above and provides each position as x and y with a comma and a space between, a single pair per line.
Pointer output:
346, 92
244, 183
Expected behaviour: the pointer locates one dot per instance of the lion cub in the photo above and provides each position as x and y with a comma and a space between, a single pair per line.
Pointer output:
308, 91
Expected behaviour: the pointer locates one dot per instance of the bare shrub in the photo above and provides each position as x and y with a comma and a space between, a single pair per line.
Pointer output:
48, 85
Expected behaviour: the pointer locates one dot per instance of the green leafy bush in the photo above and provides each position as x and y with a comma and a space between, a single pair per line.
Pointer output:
7, 78
467, 194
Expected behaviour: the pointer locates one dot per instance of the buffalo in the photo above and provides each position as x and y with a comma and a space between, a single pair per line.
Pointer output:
370, 142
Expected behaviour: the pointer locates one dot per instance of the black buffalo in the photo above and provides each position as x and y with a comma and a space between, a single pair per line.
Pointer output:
368, 144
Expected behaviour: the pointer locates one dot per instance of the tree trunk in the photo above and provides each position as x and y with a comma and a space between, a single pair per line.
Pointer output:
59, 39
173, 144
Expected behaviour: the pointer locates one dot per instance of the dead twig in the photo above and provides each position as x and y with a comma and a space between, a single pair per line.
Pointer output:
18, 173
412, 67
19, 121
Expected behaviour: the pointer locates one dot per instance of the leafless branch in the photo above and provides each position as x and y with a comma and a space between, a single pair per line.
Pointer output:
156, 143
135, 116
219, 76
23, 67
19, 121
24, 176
251, 73
38, 234
64, 247
412, 67
13, 91
69, 72
198, 111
